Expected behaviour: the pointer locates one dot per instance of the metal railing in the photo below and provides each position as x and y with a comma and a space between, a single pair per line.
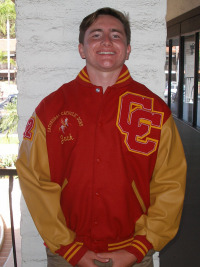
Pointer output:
11, 173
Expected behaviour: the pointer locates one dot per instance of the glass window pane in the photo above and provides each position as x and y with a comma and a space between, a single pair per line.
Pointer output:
198, 103
188, 86
175, 76
166, 72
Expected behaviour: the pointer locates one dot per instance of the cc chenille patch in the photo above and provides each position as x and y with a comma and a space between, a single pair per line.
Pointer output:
136, 119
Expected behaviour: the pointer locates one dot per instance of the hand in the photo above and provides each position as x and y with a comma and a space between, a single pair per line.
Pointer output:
88, 259
120, 258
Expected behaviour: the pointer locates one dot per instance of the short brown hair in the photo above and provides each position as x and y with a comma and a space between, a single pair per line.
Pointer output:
90, 19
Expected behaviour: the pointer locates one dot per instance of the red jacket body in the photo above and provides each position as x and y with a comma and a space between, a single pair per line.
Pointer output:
102, 151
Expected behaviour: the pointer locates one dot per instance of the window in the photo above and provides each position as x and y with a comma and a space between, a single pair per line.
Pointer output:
182, 90
198, 83
188, 83
172, 69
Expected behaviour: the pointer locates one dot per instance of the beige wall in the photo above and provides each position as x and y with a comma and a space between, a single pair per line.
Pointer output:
176, 8
47, 57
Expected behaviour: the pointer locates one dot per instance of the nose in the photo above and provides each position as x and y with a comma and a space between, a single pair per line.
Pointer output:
106, 40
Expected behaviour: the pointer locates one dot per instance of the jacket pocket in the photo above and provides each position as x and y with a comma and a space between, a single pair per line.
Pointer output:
139, 198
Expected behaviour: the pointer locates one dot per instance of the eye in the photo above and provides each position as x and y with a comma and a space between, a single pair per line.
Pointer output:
116, 36
96, 35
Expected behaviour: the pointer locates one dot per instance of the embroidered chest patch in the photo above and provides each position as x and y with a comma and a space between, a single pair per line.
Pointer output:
65, 125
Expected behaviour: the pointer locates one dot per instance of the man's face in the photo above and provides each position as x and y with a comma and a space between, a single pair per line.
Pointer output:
105, 45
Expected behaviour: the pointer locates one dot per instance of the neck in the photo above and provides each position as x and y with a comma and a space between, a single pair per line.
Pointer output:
103, 79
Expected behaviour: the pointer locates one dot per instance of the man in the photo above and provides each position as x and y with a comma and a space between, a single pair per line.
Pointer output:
101, 166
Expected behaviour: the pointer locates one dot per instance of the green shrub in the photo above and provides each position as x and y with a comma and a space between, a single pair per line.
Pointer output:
7, 161
9, 121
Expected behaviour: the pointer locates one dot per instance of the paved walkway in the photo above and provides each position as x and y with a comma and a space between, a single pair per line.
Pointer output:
6, 245
5, 213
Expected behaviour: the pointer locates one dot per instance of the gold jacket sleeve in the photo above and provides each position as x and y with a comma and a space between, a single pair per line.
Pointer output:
167, 189
41, 195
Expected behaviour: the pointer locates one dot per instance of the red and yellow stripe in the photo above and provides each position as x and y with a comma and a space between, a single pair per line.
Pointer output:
84, 76
120, 245
140, 246
122, 78
72, 251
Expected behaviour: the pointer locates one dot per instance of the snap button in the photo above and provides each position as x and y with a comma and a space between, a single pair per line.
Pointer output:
98, 90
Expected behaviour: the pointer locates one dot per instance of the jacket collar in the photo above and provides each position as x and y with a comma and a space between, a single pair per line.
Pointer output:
123, 76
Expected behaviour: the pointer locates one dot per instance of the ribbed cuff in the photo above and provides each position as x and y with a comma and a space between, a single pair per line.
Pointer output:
73, 252
139, 247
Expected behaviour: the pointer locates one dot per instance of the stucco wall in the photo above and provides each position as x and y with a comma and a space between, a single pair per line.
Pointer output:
47, 57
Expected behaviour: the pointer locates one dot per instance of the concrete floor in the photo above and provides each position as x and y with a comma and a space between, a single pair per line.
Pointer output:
183, 251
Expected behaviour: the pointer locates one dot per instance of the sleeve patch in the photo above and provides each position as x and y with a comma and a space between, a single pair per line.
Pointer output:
29, 130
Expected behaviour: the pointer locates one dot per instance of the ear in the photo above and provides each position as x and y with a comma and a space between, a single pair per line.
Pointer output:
81, 51
128, 51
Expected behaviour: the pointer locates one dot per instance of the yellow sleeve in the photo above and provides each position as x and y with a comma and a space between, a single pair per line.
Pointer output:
167, 190
41, 195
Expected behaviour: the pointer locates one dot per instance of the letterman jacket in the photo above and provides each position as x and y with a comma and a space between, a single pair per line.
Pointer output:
103, 172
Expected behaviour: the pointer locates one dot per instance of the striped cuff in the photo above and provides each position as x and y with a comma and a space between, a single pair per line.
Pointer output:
139, 247
72, 253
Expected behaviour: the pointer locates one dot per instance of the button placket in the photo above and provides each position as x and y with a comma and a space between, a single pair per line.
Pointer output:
98, 164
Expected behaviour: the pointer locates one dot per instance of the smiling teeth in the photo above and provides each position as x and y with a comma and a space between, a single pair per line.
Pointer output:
106, 53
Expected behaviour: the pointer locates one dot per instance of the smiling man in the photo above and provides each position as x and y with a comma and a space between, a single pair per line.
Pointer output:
101, 166
105, 48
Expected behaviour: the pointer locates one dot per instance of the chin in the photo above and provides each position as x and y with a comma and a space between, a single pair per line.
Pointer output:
109, 67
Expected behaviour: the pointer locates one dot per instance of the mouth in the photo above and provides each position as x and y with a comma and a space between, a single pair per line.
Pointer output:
106, 53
